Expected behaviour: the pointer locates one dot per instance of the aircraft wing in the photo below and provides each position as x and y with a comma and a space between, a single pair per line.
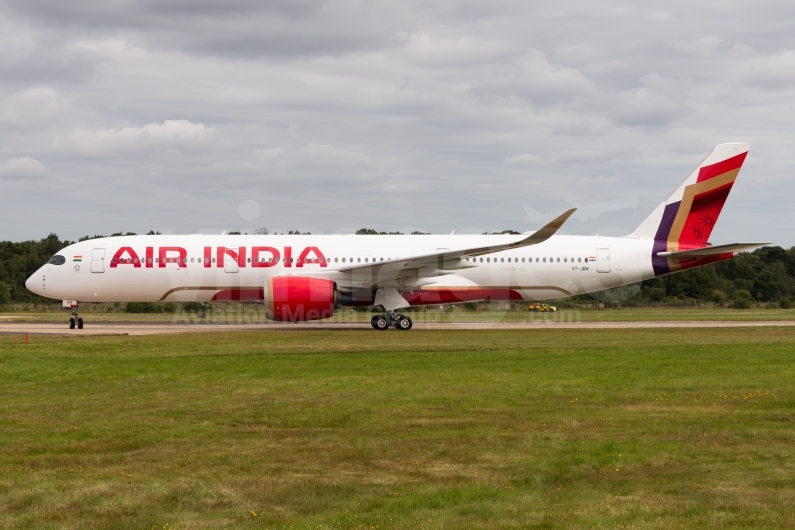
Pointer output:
438, 264
714, 250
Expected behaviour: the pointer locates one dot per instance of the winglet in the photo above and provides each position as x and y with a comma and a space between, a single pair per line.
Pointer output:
547, 231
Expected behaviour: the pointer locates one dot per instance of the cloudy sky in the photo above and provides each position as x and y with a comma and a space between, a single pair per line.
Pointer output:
205, 115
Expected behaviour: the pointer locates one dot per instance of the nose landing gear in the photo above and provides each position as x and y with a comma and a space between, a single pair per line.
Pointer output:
382, 322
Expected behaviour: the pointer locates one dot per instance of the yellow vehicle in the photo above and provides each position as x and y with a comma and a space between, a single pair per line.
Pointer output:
535, 307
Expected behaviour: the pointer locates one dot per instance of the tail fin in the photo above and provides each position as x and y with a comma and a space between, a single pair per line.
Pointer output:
685, 219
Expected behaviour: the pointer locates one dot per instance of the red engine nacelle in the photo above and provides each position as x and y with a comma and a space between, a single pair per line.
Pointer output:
298, 298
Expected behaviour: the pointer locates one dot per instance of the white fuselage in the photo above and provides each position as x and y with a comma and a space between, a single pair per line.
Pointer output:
137, 268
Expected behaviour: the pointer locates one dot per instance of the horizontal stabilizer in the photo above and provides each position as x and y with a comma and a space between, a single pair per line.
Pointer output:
710, 251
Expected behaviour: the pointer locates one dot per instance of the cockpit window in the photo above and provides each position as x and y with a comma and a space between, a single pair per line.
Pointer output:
57, 260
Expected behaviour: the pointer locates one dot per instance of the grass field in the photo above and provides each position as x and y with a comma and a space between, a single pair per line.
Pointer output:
691, 428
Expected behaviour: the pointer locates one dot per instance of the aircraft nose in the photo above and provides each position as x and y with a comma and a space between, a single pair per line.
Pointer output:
33, 282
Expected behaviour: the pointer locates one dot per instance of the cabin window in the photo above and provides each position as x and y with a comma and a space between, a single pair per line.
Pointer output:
558, 260
545, 260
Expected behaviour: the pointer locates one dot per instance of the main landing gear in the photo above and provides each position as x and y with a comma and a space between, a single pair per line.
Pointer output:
75, 319
382, 322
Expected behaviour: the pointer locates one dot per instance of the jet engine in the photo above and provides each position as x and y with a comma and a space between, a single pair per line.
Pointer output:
300, 298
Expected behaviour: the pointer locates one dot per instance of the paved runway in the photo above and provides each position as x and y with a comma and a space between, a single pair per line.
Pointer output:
130, 328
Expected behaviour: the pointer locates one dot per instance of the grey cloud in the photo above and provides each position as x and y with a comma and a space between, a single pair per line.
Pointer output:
179, 135
238, 28
333, 114
33, 107
23, 168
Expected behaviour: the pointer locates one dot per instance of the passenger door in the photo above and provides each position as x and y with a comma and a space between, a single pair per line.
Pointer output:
230, 262
98, 260
602, 260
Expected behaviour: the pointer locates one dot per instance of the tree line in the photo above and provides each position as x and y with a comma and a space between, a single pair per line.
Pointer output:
765, 275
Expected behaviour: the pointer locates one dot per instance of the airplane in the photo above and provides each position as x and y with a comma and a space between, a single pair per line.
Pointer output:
308, 277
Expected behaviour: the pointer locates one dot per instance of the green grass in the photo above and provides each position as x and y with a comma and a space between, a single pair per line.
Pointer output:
426, 429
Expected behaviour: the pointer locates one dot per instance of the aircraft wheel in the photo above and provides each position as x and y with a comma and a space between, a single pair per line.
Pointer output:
380, 322
79, 323
403, 323
373, 322
71, 323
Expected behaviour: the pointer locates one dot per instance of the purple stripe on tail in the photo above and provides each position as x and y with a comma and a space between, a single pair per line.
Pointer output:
660, 265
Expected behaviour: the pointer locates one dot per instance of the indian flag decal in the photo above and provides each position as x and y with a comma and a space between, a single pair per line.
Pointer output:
592, 258
77, 258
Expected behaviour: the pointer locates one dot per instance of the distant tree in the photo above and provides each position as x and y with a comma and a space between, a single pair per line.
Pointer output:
718, 297
767, 286
153, 233
142, 307
742, 299
371, 232
261, 231
418, 233
5, 292
504, 232
233, 233
655, 294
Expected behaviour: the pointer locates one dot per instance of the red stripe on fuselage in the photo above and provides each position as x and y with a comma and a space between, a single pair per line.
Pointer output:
238, 295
